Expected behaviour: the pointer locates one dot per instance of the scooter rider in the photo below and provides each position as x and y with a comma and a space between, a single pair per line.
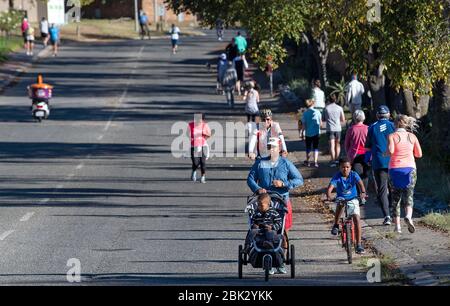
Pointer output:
260, 135
40, 92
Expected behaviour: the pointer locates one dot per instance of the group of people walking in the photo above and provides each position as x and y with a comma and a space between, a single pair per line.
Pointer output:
48, 33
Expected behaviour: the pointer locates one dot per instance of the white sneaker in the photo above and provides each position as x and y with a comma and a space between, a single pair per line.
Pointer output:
398, 229
411, 227
194, 176
203, 179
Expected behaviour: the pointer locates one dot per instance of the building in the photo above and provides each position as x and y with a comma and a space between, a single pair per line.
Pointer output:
156, 11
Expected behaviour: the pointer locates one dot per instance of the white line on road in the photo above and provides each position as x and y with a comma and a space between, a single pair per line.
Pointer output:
71, 175
100, 137
60, 186
43, 201
27, 217
6, 234
80, 166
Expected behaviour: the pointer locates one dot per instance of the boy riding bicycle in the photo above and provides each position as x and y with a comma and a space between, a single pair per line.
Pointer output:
345, 182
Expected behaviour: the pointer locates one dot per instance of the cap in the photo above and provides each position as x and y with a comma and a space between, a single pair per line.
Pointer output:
274, 141
223, 56
383, 110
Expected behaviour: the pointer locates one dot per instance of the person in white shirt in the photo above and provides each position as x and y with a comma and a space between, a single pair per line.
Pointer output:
44, 31
318, 96
355, 90
175, 35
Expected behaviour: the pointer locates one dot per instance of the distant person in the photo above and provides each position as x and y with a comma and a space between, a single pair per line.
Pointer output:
220, 29
311, 124
355, 91
229, 83
30, 41
251, 98
231, 50
403, 148
54, 38
222, 65
318, 96
239, 65
175, 36
333, 117
200, 132
241, 43
44, 31
143, 22
24, 28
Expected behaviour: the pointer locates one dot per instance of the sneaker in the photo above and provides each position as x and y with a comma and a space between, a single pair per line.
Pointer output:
282, 269
306, 163
335, 230
398, 229
203, 179
316, 165
411, 227
194, 176
272, 271
360, 249
387, 221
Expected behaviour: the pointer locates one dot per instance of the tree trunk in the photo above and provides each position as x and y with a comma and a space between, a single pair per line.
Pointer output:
377, 82
319, 49
417, 109
441, 115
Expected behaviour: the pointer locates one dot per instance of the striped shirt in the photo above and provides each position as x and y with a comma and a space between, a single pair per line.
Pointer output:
270, 217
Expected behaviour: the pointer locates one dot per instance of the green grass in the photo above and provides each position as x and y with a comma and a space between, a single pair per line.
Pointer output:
390, 273
438, 221
432, 178
8, 45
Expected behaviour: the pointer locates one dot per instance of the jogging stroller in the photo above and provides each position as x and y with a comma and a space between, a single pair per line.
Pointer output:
258, 255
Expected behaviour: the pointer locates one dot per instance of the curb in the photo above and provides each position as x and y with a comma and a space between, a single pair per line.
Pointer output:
23, 68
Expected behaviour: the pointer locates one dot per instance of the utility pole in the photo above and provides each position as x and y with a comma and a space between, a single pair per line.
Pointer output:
136, 15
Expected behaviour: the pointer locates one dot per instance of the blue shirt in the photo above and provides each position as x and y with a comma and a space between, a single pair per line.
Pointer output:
54, 33
311, 118
377, 141
143, 19
346, 187
263, 173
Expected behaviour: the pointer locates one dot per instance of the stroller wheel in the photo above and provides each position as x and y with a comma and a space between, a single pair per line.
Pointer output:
292, 261
240, 261
267, 261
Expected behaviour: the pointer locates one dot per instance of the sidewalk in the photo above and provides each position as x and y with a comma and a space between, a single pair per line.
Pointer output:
423, 257
19, 63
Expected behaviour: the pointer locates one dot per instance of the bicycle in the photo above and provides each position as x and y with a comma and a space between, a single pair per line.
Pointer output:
347, 229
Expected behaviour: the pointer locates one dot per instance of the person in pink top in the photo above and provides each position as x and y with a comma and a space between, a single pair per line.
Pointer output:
24, 27
403, 147
355, 140
200, 132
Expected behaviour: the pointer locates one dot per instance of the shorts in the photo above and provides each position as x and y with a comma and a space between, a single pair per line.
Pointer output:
353, 208
44, 35
312, 142
239, 70
334, 135
174, 42
53, 42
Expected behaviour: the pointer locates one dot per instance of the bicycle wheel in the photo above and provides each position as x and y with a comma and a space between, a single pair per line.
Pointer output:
349, 242
292, 261
240, 262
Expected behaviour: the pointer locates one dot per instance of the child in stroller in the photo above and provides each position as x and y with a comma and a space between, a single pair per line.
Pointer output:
265, 233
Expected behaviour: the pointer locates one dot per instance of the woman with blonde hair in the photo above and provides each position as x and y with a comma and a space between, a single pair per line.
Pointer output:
403, 147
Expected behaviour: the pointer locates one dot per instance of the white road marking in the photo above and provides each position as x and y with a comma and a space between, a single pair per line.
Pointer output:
100, 137
27, 217
44, 201
71, 175
6, 234
80, 166
60, 186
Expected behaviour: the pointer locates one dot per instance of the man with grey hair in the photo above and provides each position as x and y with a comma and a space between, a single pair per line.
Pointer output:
355, 90
229, 80
355, 141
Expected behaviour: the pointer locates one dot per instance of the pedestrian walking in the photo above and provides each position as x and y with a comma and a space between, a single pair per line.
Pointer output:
229, 83
311, 123
144, 23
239, 65
200, 132
219, 29
43, 26
355, 141
355, 90
222, 65
318, 96
333, 117
260, 136
231, 50
377, 144
241, 43
175, 36
403, 148
54, 38
30, 41
251, 98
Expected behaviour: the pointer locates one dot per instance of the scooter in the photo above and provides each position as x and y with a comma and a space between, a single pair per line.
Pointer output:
40, 94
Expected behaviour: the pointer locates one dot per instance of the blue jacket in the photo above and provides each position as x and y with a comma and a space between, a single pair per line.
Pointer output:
262, 174
377, 141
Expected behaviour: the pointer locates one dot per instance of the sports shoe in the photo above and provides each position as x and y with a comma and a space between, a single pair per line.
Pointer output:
282, 269
203, 179
335, 230
398, 229
316, 165
387, 221
306, 163
194, 176
360, 249
411, 227
272, 271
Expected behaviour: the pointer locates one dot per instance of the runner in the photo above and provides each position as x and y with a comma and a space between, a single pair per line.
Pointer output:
174, 35
311, 124
30, 41
143, 22
44, 31
251, 98
333, 117
200, 132
54, 38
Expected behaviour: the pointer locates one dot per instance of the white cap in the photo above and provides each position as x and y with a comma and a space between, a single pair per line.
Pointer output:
274, 141
223, 56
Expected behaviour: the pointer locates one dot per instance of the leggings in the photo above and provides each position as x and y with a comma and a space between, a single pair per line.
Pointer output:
312, 143
252, 116
360, 167
198, 159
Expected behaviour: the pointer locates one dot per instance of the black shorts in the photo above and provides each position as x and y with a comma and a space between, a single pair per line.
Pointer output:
44, 35
312, 142
53, 42
240, 70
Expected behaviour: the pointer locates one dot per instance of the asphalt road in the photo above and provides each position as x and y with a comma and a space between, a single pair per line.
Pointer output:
98, 181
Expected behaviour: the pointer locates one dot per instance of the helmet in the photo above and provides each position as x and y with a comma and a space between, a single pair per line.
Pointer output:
264, 113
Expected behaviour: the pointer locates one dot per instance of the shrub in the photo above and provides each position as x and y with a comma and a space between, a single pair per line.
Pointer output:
10, 20
301, 87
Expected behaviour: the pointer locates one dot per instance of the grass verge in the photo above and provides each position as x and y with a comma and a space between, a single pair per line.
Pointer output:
8, 45
437, 221
433, 178
390, 273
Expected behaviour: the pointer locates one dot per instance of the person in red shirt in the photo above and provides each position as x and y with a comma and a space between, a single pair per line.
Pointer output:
355, 140
200, 132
